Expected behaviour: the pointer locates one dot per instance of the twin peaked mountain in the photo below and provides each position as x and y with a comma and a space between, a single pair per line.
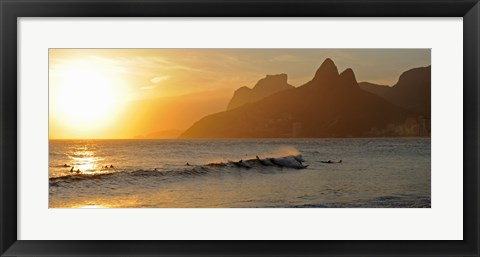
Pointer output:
330, 105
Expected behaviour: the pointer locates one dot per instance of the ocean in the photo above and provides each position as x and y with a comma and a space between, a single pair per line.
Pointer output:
251, 173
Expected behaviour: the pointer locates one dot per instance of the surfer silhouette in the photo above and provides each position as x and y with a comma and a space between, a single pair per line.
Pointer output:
330, 161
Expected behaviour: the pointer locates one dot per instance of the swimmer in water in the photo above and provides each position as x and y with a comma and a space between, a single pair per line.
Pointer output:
330, 161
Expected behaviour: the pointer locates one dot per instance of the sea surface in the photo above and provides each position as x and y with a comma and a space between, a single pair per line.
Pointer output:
265, 173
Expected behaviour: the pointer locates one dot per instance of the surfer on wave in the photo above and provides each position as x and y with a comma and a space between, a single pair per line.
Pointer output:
330, 161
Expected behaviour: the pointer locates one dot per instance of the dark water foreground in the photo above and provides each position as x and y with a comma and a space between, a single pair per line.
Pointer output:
288, 173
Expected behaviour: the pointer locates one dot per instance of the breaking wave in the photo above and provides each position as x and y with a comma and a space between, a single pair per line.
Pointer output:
254, 164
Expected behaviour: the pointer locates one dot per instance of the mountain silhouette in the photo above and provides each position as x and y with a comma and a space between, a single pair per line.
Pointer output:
412, 91
330, 105
267, 86
380, 90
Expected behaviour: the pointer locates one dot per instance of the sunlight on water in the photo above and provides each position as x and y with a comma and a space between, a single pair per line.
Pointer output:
153, 173
102, 202
84, 160
93, 207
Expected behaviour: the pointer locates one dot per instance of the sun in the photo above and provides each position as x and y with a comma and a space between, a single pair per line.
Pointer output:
85, 97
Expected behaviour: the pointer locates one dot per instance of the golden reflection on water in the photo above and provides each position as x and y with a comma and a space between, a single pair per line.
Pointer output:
98, 202
93, 207
85, 160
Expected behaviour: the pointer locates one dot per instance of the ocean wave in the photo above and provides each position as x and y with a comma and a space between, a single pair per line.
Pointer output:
288, 162
291, 161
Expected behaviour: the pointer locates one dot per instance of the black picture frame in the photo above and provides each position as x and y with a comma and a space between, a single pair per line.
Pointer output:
10, 10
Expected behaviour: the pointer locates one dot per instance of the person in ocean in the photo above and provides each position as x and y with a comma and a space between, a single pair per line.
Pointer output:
330, 161
71, 170
111, 166
188, 164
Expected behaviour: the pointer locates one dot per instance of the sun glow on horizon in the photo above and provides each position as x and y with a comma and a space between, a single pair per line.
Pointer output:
142, 93
85, 98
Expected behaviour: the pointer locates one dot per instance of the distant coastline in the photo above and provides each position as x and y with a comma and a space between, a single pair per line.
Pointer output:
332, 105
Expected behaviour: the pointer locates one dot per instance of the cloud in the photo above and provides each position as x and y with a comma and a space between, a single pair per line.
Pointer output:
159, 79
148, 87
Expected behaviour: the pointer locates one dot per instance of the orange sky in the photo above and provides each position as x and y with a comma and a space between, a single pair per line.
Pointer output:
123, 93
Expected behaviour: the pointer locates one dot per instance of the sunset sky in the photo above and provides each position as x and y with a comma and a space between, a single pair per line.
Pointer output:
124, 93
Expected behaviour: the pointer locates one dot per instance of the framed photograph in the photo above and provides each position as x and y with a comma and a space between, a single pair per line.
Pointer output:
317, 128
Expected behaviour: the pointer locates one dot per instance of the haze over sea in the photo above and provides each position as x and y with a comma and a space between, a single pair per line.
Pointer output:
374, 172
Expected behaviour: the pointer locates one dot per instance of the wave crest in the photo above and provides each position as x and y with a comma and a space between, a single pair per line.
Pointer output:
289, 162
